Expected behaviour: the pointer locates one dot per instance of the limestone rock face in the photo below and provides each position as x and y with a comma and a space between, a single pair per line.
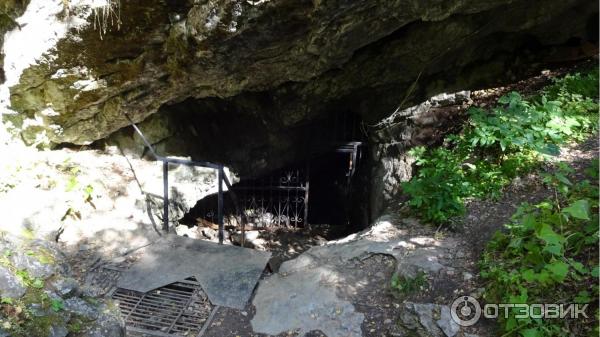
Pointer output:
9, 11
41, 281
71, 197
288, 62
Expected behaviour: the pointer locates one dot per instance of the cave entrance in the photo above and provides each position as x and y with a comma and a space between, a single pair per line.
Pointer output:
315, 194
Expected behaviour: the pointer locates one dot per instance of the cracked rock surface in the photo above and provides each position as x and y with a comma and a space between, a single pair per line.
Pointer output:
319, 289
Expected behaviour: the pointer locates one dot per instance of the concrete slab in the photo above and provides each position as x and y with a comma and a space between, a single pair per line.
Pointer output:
228, 274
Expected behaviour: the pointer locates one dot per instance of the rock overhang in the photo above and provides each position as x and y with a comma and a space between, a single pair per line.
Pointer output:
308, 56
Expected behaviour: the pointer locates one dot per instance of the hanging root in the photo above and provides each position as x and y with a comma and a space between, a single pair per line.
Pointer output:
107, 16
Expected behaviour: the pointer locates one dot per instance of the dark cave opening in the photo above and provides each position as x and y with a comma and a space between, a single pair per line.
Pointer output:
323, 192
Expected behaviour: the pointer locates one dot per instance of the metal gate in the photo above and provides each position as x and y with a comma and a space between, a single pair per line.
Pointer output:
279, 199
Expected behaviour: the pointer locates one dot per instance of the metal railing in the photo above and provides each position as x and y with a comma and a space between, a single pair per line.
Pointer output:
221, 178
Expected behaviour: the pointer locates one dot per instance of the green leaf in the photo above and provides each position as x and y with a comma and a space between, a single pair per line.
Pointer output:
578, 266
544, 277
529, 275
550, 149
56, 305
521, 298
516, 243
582, 297
553, 249
504, 99
71, 184
553, 240
579, 209
510, 324
595, 272
529, 221
38, 283
558, 270
561, 177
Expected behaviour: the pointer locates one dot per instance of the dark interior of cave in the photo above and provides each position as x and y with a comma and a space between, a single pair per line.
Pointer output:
324, 189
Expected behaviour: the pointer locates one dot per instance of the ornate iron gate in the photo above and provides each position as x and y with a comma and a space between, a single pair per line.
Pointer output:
279, 199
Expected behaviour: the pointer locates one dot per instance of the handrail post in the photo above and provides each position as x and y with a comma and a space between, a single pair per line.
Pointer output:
306, 224
220, 204
166, 196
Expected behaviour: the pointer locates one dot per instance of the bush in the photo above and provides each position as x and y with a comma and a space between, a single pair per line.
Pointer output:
500, 144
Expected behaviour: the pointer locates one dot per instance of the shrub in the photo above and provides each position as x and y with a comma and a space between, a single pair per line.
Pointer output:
501, 143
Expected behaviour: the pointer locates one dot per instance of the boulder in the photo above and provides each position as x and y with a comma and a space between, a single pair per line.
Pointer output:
109, 323
77, 306
190, 232
252, 240
10, 285
35, 273
248, 236
426, 320
65, 286
32, 264
58, 331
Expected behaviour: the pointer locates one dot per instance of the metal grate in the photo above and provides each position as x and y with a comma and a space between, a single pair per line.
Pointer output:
102, 277
178, 309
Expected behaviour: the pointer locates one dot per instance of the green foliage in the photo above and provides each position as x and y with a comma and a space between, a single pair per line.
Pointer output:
74, 185
73, 181
28, 280
88, 193
406, 285
75, 326
548, 254
57, 304
71, 184
17, 316
499, 144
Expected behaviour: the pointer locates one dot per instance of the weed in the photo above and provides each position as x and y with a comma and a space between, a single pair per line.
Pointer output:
407, 285
57, 305
548, 254
75, 326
